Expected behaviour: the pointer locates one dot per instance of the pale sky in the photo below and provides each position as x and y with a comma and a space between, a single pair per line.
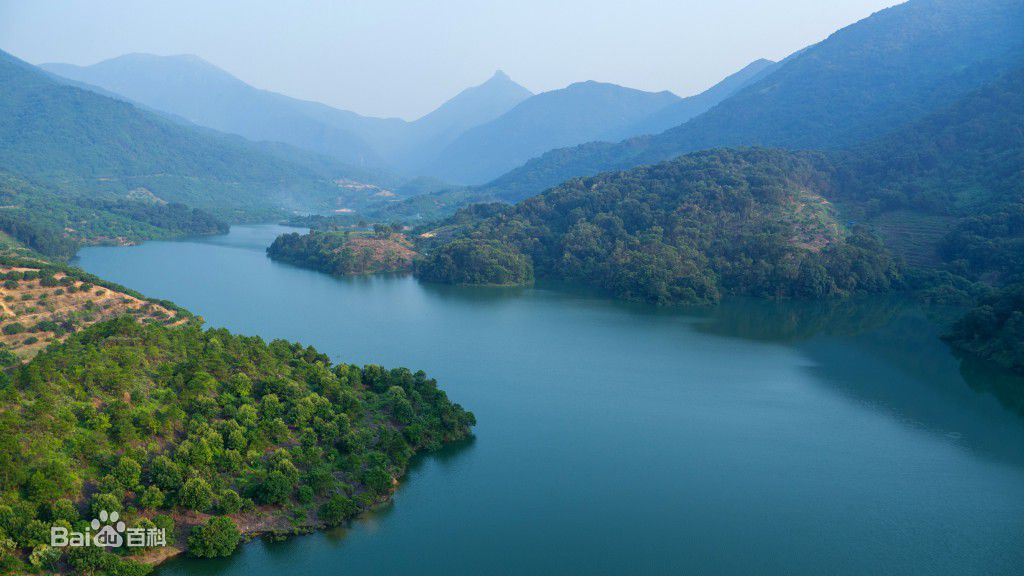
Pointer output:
404, 57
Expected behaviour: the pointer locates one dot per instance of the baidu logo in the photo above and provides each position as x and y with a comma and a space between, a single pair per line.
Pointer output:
109, 536
107, 531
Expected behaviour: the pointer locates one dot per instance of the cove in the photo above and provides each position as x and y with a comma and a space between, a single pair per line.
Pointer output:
747, 438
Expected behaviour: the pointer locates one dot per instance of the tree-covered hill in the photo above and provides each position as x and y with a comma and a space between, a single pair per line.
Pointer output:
54, 224
200, 432
863, 81
721, 222
963, 166
964, 163
86, 143
345, 253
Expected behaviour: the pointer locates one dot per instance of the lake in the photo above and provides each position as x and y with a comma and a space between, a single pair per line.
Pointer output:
747, 438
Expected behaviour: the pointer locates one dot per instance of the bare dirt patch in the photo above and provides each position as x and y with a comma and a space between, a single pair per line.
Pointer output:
34, 315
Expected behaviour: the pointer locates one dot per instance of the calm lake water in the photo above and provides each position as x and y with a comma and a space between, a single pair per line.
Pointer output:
749, 438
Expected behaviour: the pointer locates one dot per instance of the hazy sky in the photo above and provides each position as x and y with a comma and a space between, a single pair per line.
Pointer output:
404, 57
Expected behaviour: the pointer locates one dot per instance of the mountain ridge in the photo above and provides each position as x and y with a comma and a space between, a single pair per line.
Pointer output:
870, 77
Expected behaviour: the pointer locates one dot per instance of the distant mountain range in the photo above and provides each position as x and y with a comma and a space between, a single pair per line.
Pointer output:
864, 80
479, 134
195, 90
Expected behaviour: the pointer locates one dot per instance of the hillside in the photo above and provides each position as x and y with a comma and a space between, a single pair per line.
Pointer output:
957, 176
578, 113
45, 305
947, 191
84, 143
204, 433
865, 80
345, 253
750, 222
191, 88
691, 106
54, 224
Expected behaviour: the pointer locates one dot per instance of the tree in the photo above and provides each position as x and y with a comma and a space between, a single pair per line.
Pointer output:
196, 495
127, 473
152, 498
218, 537
64, 509
336, 510
107, 502
378, 480
165, 474
230, 502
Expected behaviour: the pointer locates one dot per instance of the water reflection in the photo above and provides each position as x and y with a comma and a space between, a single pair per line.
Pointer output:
792, 321
983, 377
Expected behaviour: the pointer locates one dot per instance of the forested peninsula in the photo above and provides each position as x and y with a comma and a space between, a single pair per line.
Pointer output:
208, 435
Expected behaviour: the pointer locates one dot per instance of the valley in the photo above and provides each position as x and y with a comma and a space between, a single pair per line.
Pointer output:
772, 323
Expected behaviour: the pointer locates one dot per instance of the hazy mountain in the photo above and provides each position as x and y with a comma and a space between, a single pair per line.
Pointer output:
773, 222
866, 79
578, 113
683, 110
199, 92
191, 88
471, 107
91, 145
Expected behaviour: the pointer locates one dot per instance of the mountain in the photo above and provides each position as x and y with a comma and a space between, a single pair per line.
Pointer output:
92, 145
188, 87
773, 222
471, 107
199, 92
948, 190
864, 80
579, 113
751, 222
686, 108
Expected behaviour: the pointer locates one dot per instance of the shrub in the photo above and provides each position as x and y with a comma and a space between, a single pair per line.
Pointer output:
218, 537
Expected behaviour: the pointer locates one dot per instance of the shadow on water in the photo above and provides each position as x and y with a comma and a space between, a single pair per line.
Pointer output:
473, 294
788, 321
1007, 387
886, 354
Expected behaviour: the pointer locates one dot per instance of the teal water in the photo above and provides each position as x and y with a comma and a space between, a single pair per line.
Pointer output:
748, 438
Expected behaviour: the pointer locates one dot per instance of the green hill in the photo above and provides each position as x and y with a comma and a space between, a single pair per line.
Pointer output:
88, 144
770, 222
177, 426
748, 222
865, 80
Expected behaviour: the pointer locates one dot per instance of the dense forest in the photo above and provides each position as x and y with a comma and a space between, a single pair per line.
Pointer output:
200, 431
55, 224
477, 262
722, 222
